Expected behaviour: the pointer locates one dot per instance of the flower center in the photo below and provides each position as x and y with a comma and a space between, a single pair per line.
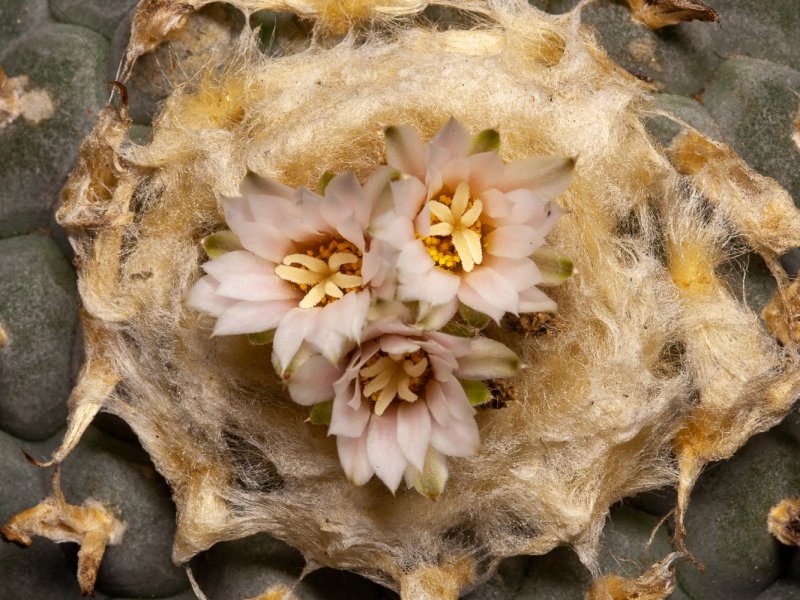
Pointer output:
455, 234
385, 377
324, 274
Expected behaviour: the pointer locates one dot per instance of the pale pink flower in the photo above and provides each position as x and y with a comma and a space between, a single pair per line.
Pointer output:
307, 268
467, 225
399, 402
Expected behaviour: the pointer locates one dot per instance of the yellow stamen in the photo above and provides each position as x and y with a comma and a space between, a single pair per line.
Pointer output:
324, 274
388, 376
455, 236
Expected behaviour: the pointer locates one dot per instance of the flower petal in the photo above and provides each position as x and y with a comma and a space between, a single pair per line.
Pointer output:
252, 317
405, 151
312, 382
431, 480
522, 273
385, 456
535, 300
409, 195
456, 399
256, 288
468, 296
453, 137
238, 262
203, 297
547, 175
257, 185
346, 189
262, 240
290, 333
346, 420
414, 431
487, 359
457, 438
494, 288
354, 460
513, 241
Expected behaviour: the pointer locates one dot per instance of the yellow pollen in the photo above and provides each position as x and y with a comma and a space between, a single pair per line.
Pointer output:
325, 273
385, 377
455, 239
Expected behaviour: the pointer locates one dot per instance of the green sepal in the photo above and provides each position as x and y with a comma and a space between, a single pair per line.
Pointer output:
555, 267
477, 392
431, 480
321, 413
458, 329
219, 243
487, 140
323, 182
261, 338
472, 317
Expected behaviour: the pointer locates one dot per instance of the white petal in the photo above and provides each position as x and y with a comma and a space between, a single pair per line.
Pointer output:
494, 288
353, 456
346, 189
405, 151
413, 431
312, 382
548, 175
414, 258
513, 241
409, 195
496, 207
256, 288
535, 300
203, 297
453, 137
522, 273
347, 421
385, 456
457, 438
434, 317
255, 184
236, 209
487, 359
485, 169
456, 399
433, 287
396, 344
263, 240
291, 332
467, 295
252, 317
238, 262
437, 403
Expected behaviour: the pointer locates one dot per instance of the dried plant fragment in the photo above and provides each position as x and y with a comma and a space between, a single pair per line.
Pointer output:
661, 13
782, 314
3, 336
784, 521
657, 583
91, 525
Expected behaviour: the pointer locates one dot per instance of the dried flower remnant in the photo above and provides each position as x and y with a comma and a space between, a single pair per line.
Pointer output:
295, 262
402, 401
467, 225
784, 521
661, 13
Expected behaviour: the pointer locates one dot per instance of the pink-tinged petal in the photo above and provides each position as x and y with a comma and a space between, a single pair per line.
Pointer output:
236, 209
377, 262
535, 300
443, 366
513, 241
457, 438
409, 195
339, 325
392, 230
270, 210
467, 295
496, 207
414, 258
446, 344
405, 151
238, 262
203, 297
484, 170
527, 208
257, 288
437, 403
377, 190
353, 456
494, 288
398, 344
422, 222
346, 189
453, 137
290, 333
252, 317
487, 359
346, 420
256, 185
454, 172
385, 456
262, 240
434, 287
434, 317
523, 273
312, 382
456, 399
547, 175
414, 431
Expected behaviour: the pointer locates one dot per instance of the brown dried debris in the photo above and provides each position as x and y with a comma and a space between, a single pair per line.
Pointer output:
661, 13
657, 583
91, 525
782, 314
784, 521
